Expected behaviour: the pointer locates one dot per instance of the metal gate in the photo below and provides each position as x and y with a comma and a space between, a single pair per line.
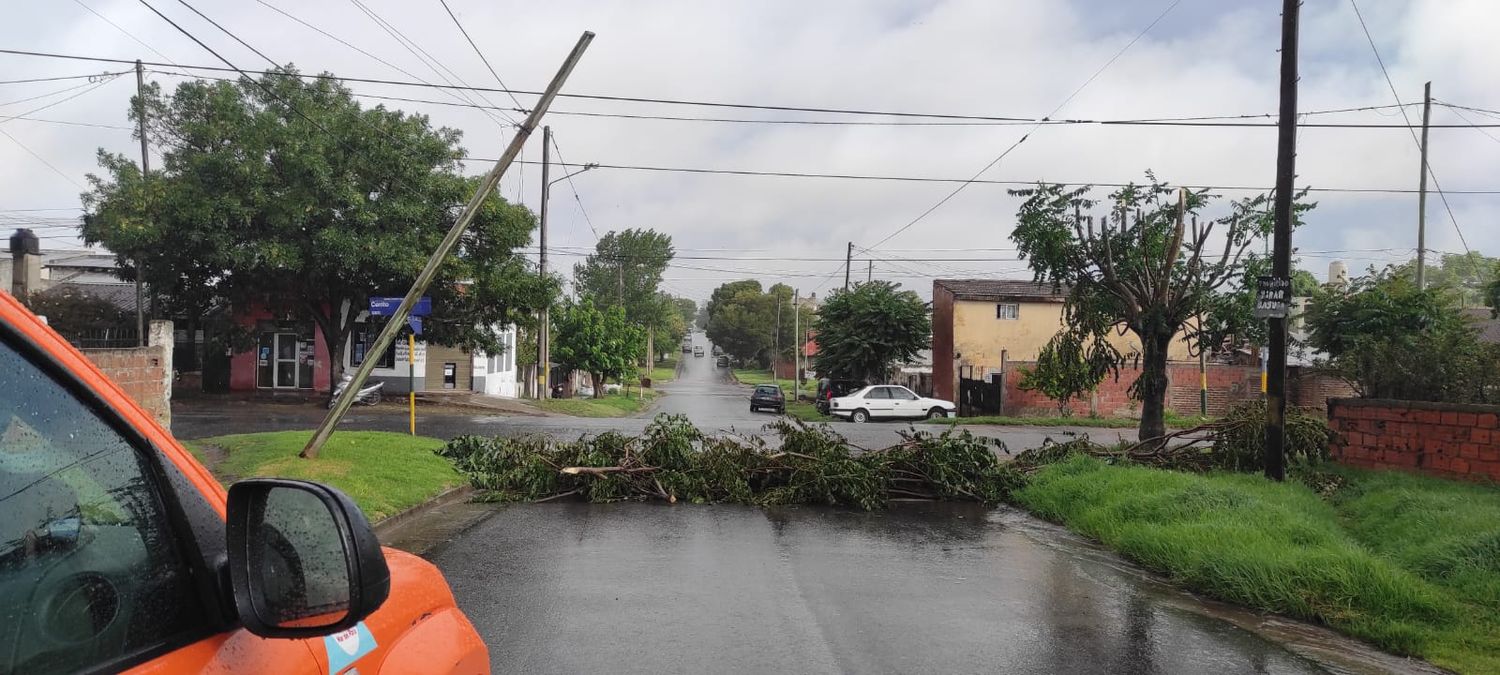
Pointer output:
979, 396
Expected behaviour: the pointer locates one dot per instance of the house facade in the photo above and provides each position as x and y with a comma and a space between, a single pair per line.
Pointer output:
291, 356
979, 326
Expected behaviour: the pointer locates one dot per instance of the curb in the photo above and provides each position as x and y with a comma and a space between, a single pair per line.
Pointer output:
445, 498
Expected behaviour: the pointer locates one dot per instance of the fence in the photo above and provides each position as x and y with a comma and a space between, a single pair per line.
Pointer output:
1456, 440
145, 373
104, 338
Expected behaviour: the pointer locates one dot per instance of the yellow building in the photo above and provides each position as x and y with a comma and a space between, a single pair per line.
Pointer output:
980, 324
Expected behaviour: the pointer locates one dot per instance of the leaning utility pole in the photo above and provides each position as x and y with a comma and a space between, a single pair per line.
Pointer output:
543, 376
848, 262
140, 284
1281, 256
450, 240
1422, 192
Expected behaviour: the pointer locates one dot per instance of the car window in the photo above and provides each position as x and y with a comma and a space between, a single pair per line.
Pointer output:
89, 569
902, 393
878, 392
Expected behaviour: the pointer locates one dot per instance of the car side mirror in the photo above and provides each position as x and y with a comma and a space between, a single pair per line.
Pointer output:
303, 559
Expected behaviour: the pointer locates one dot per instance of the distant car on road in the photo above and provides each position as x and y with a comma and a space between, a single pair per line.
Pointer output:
768, 396
888, 401
723, 361
687, 347
829, 389
697, 351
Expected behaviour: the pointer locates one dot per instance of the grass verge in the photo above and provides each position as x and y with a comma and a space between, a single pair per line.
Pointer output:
1405, 562
612, 405
385, 473
805, 411
665, 371
753, 377
1173, 420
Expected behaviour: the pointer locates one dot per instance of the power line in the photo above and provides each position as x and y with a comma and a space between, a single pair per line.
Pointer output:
1476, 127
574, 188
446, 90
1426, 166
69, 123
122, 30
634, 99
7, 118
90, 77
934, 179
226, 31
486, 61
48, 94
1028, 133
43, 160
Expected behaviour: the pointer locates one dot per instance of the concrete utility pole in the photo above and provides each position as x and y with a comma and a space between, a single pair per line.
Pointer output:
1281, 257
140, 268
848, 262
869, 271
450, 240
543, 373
1422, 192
796, 343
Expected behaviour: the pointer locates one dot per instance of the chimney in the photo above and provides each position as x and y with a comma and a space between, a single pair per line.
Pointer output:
26, 263
1338, 273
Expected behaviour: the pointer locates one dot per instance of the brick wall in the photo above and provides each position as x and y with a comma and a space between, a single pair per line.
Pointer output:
1313, 390
1444, 439
145, 373
1227, 385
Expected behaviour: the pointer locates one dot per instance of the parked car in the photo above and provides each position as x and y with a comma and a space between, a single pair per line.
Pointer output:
888, 401
697, 351
829, 389
118, 550
723, 361
687, 347
768, 396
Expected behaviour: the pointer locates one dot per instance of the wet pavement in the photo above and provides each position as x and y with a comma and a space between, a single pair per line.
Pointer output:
703, 392
572, 587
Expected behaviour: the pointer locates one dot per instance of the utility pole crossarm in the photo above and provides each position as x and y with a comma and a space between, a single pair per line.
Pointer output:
450, 240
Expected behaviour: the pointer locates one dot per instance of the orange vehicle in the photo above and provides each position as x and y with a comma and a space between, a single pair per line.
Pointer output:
120, 552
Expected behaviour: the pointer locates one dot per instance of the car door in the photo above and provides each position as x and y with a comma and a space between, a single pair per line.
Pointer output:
905, 403
878, 402
101, 565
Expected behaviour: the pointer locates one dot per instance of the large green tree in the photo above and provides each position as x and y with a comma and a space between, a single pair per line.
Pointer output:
737, 320
1467, 276
289, 193
600, 342
1390, 339
625, 271
1148, 265
865, 331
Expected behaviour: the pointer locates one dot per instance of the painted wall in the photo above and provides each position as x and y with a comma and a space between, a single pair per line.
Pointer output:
242, 365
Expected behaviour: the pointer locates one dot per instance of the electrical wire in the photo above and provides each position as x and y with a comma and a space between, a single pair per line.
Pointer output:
1426, 166
574, 187
7, 118
43, 160
486, 61
1022, 139
60, 78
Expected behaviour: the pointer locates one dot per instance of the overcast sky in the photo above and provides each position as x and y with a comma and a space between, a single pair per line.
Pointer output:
974, 57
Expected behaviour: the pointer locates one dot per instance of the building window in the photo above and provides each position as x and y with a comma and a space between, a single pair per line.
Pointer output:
364, 338
1007, 310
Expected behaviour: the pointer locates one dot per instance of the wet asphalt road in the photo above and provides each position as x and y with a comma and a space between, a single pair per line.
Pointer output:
649, 588
702, 391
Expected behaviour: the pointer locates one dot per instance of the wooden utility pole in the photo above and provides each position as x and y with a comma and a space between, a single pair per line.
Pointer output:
140, 268
796, 343
543, 374
848, 261
1281, 255
450, 240
1422, 192
869, 271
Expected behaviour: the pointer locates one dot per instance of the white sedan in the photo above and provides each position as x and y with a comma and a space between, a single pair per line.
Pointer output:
888, 401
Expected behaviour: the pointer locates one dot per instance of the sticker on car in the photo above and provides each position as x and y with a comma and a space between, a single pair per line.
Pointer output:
347, 646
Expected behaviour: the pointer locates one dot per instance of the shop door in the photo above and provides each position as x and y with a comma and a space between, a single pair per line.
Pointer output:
285, 361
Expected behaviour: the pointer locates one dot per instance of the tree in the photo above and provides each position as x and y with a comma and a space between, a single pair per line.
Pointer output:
738, 321
288, 193
73, 312
1466, 275
625, 271
1066, 369
599, 342
1147, 267
1304, 284
1390, 339
687, 308
864, 332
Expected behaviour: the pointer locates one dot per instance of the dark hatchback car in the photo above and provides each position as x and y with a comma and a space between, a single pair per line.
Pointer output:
768, 397
829, 389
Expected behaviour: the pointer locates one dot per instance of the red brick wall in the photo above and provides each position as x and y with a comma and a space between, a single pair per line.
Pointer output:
1312, 390
1227, 385
1444, 439
142, 373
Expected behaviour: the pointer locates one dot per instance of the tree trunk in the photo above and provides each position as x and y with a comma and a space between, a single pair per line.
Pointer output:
598, 379
1152, 387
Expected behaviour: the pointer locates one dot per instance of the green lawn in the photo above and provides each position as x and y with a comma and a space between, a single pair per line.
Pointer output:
612, 405
805, 411
385, 473
753, 376
1173, 420
1410, 564
665, 371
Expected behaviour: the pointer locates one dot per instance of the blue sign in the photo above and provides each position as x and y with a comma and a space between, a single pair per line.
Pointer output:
415, 322
387, 306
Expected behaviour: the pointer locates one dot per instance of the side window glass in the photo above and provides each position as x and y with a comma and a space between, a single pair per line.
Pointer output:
878, 392
89, 569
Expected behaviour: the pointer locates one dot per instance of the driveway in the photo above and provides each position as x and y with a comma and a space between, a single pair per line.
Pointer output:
920, 588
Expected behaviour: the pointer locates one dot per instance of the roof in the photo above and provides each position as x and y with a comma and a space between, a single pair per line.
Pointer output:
119, 295
1001, 289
